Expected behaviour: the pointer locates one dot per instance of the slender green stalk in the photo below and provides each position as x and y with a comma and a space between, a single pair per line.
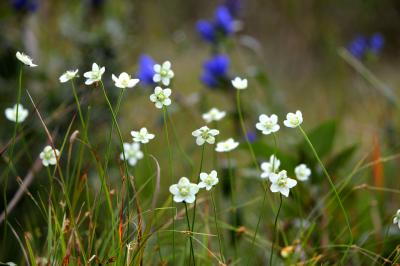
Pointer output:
333, 188
221, 254
198, 180
233, 199
274, 233
190, 237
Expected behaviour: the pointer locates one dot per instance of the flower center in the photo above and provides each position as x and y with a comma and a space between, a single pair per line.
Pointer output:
208, 180
163, 72
294, 120
161, 97
282, 182
184, 191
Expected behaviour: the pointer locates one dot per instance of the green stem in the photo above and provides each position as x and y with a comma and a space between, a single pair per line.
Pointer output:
274, 233
217, 227
198, 180
233, 200
190, 237
333, 188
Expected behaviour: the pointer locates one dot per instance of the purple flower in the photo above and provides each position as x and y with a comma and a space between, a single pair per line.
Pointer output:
25, 5
224, 20
146, 71
215, 70
358, 46
222, 25
206, 30
376, 43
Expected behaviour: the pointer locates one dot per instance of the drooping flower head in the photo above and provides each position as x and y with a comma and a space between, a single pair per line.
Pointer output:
293, 120
227, 145
68, 75
281, 183
146, 70
132, 153
184, 191
124, 81
272, 166
208, 180
205, 134
49, 156
163, 73
268, 124
94, 75
302, 172
213, 115
25, 59
396, 218
160, 97
215, 71
142, 136
11, 113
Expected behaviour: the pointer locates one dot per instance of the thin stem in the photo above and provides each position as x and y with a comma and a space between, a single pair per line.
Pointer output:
198, 180
190, 237
217, 227
233, 200
333, 188
274, 234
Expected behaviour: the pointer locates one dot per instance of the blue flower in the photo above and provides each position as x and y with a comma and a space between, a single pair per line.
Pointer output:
224, 20
25, 5
234, 6
215, 70
376, 43
358, 46
146, 71
222, 25
206, 30
251, 136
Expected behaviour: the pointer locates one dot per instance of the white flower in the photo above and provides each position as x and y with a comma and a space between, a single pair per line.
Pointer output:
184, 191
68, 75
132, 153
213, 115
161, 97
281, 183
208, 180
94, 75
227, 145
270, 167
239, 83
49, 156
204, 134
396, 218
142, 136
302, 172
293, 120
268, 124
25, 59
163, 73
124, 81
11, 113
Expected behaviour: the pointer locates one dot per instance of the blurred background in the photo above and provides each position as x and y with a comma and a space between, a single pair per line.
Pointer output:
337, 61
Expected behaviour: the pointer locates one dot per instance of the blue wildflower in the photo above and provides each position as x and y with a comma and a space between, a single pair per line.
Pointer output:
234, 6
224, 20
206, 30
25, 5
215, 70
251, 136
358, 46
222, 25
376, 43
146, 72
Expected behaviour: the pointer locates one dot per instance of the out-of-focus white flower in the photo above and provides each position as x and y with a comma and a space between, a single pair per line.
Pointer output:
184, 191
205, 134
132, 153
208, 180
161, 97
49, 156
124, 81
142, 136
213, 115
94, 75
396, 218
293, 120
163, 73
11, 113
268, 124
270, 167
68, 75
227, 145
302, 172
27, 60
239, 83
281, 183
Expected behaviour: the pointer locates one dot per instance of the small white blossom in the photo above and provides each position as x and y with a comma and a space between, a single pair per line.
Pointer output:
11, 113
184, 191
302, 172
213, 115
124, 81
94, 75
396, 218
281, 183
142, 136
205, 134
239, 83
270, 167
132, 153
68, 75
25, 59
163, 73
49, 156
268, 124
293, 120
161, 97
208, 180
227, 145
